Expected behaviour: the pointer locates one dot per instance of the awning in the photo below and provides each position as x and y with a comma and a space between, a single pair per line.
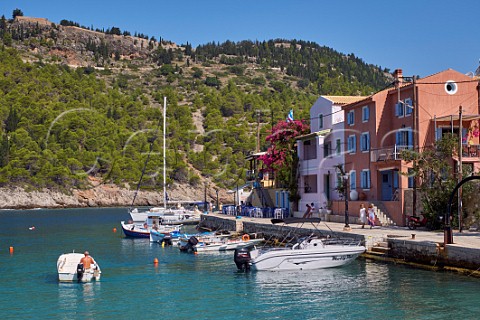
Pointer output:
455, 117
313, 135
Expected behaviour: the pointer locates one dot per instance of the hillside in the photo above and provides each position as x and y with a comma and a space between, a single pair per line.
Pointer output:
80, 104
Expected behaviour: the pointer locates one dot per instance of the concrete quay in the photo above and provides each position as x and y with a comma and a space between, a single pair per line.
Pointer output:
418, 248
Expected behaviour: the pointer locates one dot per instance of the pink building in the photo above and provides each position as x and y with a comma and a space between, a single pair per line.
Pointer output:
410, 115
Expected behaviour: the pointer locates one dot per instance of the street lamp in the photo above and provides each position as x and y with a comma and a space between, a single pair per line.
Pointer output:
344, 177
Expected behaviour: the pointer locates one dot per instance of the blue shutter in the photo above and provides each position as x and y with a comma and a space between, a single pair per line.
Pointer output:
354, 147
353, 182
410, 139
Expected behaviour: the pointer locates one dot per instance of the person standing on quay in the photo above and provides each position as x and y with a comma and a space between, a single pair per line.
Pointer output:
371, 216
363, 215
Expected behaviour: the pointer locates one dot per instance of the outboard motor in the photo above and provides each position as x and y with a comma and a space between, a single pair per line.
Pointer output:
80, 271
190, 246
242, 258
167, 241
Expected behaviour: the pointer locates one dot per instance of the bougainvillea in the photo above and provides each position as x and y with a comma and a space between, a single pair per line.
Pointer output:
281, 155
282, 141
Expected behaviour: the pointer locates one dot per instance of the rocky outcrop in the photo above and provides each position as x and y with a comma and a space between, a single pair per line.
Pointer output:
100, 196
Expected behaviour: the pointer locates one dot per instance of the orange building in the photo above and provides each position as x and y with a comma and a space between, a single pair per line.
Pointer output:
412, 114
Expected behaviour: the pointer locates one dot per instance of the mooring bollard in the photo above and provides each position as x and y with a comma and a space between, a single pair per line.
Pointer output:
413, 236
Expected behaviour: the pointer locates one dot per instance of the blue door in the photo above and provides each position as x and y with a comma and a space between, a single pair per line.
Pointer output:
386, 184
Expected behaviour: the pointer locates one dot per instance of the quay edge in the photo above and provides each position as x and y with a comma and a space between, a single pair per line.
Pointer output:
389, 248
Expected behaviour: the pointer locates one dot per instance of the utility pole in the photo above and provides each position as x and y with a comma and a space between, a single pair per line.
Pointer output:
460, 169
258, 131
415, 142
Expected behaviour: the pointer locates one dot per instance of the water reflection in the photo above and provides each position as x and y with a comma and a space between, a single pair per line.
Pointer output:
78, 298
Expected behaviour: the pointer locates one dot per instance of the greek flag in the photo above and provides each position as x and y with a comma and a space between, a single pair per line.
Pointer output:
290, 116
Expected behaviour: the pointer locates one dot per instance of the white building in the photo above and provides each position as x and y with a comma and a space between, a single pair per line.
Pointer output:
321, 151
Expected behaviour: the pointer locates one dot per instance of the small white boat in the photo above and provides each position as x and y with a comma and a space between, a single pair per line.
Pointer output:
70, 270
216, 243
307, 254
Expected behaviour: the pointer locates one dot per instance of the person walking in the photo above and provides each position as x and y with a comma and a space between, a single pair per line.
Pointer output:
363, 215
371, 216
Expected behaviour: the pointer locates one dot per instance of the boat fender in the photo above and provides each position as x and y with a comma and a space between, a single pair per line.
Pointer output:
245, 237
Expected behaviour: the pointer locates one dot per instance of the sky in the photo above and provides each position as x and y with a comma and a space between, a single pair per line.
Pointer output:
421, 37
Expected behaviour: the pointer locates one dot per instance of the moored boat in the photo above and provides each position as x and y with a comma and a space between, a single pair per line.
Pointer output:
216, 243
166, 216
139, 230
70, 269
306, 254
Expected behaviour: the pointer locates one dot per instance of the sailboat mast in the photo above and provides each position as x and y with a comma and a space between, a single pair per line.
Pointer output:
164, 152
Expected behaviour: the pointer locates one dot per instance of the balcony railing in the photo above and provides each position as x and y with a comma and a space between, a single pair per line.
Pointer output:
388, 154
471, 151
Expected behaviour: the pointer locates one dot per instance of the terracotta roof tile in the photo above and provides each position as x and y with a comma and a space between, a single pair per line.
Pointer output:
344, 99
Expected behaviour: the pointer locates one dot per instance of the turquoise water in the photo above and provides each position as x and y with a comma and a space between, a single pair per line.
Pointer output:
203, 286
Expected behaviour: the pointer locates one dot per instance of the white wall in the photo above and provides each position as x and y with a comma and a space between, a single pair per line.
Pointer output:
333, 118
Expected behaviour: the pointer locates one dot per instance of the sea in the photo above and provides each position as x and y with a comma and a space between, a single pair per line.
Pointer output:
201, 286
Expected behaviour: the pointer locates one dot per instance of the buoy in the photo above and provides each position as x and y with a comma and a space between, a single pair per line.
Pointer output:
31, 228
195, 252
155, 261
11, 250
114, 229
163, 244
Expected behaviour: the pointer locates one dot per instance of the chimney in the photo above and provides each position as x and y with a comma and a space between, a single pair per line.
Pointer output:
398, 75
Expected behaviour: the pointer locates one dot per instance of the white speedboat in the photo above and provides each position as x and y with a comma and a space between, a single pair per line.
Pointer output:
307, 254
216, 243
70, 270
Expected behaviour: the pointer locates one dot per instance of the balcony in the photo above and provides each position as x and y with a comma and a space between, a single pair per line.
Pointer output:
471, 151
388, 154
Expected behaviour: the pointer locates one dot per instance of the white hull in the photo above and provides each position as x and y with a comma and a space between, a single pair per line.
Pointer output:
166, 216
313, 256
67, 269
220, 244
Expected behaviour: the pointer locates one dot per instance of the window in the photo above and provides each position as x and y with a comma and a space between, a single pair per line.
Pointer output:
351, 118
352, 144
365, 179
404, 138
326, 149
365, 114
320, 121
353, 180
309, 149
365, 141
310, 183
399, 109
408, 107
338, 148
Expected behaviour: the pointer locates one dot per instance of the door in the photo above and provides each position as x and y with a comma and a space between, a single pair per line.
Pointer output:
386, 177
326, 186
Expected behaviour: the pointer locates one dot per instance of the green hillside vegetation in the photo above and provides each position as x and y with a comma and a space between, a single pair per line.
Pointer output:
61, 126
